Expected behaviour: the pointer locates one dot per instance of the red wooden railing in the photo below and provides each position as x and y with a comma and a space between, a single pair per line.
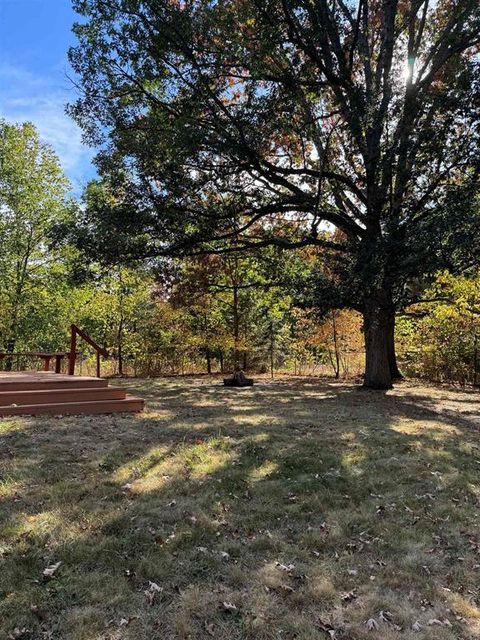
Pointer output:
72, 356
45, 356
58, 357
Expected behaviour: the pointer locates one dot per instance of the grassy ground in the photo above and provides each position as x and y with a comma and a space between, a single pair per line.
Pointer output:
296, 509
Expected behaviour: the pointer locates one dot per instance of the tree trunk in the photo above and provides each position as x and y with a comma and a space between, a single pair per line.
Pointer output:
272, 351
236, 331
392, 356
220, 357
335, 344
377, 328
10, 347
120, 347
475, 353
208, 358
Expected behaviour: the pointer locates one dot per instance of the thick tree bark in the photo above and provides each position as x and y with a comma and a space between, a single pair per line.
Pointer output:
377, 328
392, 356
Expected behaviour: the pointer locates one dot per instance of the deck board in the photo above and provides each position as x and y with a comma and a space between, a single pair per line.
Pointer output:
35, 392
40, 376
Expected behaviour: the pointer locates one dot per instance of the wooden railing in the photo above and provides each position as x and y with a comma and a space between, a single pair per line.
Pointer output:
72, 356
45, 356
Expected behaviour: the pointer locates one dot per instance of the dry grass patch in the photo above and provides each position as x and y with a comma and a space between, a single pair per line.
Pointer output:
294, 509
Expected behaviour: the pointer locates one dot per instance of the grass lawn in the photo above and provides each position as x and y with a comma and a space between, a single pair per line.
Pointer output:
293, 509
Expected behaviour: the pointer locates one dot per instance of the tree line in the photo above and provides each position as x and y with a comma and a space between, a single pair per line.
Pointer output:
273, 161
346, 126
197, 314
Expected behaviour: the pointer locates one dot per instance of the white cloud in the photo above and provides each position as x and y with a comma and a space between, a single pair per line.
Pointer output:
27, 97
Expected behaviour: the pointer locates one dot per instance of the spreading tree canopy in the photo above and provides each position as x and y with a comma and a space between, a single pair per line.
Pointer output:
352, 125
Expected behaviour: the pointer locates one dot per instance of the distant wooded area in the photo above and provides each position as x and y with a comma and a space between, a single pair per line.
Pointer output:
197, 314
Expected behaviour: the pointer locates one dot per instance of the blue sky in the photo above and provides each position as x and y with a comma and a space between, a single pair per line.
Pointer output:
34, 85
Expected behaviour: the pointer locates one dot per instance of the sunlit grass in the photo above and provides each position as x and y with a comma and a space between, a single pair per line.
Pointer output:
306, 506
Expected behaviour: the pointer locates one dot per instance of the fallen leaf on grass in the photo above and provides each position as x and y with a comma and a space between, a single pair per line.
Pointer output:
327, 628
229, 607
285, 588
387, 617
371, 624
50, 570
150, 593
126, 621
36, 612
440, 623
19, 633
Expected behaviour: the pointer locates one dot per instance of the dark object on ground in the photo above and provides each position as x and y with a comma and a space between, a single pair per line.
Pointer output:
238, 380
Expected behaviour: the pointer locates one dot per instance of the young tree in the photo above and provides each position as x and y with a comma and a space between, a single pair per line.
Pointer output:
228, 299
340, 335
272, 121
33, 199
195, 293
441, 338
115, 306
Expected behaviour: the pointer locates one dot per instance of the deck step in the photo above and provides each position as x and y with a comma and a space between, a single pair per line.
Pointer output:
37, 392
51, 381
127, 404
52, 396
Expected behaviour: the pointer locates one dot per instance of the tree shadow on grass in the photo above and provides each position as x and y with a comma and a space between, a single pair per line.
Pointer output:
365, 500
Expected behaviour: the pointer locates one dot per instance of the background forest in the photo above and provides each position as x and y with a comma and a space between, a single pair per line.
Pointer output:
200, 313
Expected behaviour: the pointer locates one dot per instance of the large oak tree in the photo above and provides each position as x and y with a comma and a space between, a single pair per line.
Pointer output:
233, 124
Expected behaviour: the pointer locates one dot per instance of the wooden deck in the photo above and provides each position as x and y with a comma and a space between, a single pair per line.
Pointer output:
33, 393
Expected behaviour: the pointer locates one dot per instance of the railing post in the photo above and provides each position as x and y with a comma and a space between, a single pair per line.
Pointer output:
73, 351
